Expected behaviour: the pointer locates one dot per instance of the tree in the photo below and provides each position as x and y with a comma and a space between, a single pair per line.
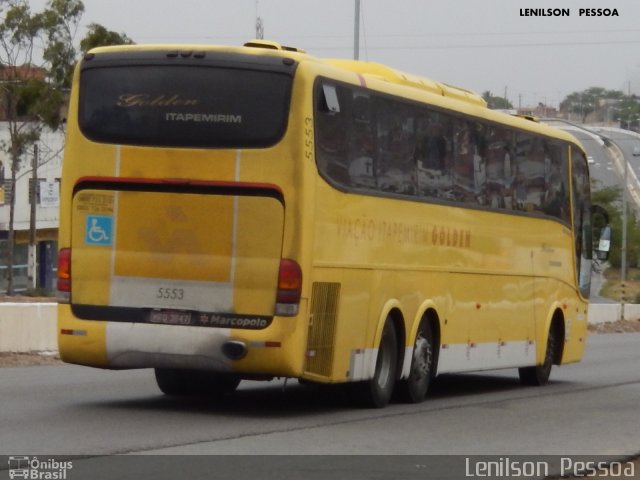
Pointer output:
627, 113
61, 21
99, 36
593, 99
31, 95
580, 103
496, 102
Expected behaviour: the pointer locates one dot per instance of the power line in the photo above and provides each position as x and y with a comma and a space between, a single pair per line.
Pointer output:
404, 35
476, 46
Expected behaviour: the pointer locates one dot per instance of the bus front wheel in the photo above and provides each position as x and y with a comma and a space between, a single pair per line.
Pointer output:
377, 391
178, 382
539, 375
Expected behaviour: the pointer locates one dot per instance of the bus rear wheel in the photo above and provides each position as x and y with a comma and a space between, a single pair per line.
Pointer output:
539, 375
185, 383
377, 391
414, 388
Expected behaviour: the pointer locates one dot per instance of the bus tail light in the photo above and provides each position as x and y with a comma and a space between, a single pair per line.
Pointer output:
289, 288
64, 274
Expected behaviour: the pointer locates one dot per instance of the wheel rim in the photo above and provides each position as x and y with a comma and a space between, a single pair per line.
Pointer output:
383, 365
421, 364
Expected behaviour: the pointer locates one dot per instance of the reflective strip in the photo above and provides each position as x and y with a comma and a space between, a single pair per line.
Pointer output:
265, 344
79, 333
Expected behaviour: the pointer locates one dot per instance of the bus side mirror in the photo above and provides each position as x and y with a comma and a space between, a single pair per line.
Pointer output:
604, 244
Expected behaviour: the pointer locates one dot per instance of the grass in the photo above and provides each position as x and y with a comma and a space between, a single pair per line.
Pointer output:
616, 290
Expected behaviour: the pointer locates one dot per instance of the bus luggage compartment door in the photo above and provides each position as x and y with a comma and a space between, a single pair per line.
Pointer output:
175, 247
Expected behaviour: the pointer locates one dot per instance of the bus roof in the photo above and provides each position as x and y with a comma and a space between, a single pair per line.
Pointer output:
402, 78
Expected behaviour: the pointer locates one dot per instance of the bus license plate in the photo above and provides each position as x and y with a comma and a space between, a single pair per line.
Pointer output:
170, 317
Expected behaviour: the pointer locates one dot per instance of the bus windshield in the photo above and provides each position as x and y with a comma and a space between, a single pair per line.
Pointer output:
184, 106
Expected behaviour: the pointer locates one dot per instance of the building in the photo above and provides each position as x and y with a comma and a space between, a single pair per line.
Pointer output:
47, 197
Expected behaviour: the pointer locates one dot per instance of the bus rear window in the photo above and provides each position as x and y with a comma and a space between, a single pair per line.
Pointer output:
184, 106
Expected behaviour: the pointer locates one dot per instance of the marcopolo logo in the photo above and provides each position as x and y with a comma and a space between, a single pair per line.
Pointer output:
38, 469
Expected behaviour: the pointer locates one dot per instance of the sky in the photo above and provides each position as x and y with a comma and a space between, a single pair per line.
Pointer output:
475, 44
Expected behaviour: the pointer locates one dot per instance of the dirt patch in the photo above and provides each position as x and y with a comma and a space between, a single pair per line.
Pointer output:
26, 299
9, 359
621, 326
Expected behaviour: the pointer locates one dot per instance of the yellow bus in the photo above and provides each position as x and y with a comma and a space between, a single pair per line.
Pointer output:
255, 212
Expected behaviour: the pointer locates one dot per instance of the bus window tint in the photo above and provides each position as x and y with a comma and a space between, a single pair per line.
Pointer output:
556, 200
331, 136
362, 151
500, 168
529, 181
469, 170
434, 155
396, 145
172, 106
373, 143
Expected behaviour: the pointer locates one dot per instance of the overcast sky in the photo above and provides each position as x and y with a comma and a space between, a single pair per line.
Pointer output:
476, 44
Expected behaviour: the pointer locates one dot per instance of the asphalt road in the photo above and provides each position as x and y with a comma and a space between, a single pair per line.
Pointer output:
588, 408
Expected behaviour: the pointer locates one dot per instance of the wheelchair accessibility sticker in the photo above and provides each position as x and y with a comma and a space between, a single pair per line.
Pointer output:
99, 230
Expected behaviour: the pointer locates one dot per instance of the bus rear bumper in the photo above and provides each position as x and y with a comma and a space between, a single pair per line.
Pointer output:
127, 345
138, 345
122, 345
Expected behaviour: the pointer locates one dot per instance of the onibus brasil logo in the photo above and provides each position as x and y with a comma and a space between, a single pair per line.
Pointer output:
35, 469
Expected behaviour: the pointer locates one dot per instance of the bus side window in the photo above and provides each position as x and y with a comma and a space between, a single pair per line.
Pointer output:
396, 147
433, 154
479, 138
582, 220
556, 199
466, 177
331, 134
498, 170
362, 142
530, 177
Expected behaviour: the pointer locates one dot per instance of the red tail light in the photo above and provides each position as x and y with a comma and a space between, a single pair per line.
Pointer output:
289, 288
64, 270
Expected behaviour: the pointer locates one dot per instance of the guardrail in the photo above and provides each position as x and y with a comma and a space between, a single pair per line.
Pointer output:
32, 327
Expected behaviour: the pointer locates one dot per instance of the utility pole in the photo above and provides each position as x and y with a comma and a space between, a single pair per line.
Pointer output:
32, 262
356, 32
623, 248
259, 25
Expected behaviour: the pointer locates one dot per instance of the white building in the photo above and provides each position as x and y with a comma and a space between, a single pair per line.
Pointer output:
49, 153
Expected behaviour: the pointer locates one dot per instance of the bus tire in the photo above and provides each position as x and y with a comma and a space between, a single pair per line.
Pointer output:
377, 391
185, 383
414, 388
539, 375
